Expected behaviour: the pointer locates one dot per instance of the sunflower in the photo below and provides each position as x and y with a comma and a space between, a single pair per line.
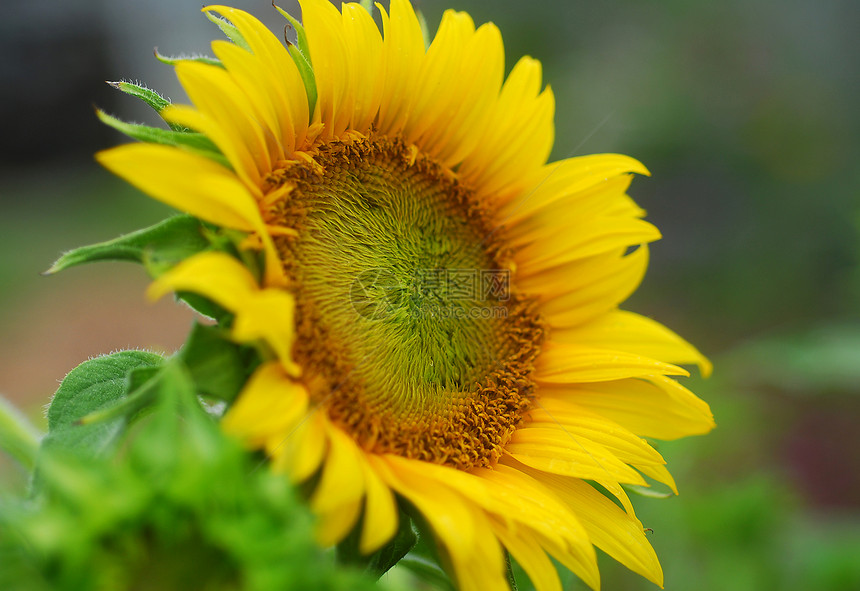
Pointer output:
438, 305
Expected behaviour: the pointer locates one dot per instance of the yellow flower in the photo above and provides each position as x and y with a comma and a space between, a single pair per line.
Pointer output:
440, 304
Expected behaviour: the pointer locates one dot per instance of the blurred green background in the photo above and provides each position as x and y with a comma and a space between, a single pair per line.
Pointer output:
746, 113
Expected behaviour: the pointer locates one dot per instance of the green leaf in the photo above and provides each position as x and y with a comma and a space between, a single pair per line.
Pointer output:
158, 247
93, 386
191, 141
301, 55
141, 376
230, 30
217, 365
18, 437
140, 394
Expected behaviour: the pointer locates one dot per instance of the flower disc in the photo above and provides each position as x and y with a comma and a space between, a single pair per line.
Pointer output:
408, 332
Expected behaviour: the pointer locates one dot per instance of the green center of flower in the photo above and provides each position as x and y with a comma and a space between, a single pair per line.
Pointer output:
408, 330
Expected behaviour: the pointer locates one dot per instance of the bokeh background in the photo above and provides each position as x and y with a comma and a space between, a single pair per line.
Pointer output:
746, 112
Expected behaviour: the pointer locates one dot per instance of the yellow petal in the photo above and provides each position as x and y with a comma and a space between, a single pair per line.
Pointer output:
451, 516
268, 315
333, 525
186, 181
196, 185
528, 553
342, 480
562, 363
483, 570
362, 37
584, 289
380, 512
300, 452
581, 239
253, 79
637, 334
514, 500
655, 407
215, 94
484, 67
658, 473
216, 275
436, 83
285, 85
450, 115
518, 142
610, 528
574, 179
604, 199
238, 154
577, 421
403, 50
619, 493
265, 314
332, 65
270, 406
566, 454
555, 527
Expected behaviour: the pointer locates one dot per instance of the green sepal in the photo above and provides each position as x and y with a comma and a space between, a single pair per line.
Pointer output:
301, 55
172, 60
95, 387
425, 34
203, 305
218, 366
509, 572
18, 437
307, 74
367, 5
191, 141
147, 95
157, 247
381, 561
229, 30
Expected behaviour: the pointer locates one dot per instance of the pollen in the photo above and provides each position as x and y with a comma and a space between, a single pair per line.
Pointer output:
410, 333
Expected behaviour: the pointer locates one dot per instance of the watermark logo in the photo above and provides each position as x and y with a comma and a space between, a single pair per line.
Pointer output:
377, 294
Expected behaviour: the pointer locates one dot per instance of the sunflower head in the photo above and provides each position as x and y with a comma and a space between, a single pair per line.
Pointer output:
434, 306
